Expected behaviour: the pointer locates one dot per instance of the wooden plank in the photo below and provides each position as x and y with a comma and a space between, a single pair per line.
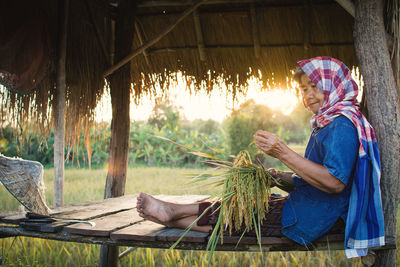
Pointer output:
81, 210
173, 234
248, 240
98, 208
106, 224
150, 231
43, 227
63, 236
95, 209
143, 231
13, 218
7, 214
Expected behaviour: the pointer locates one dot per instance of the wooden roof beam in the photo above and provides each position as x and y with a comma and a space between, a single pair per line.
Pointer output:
254, 28
166, 3
180, 3
232, 46
199, 35
151, 42
348, 6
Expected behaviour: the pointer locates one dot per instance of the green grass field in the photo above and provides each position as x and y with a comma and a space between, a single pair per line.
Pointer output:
87, 185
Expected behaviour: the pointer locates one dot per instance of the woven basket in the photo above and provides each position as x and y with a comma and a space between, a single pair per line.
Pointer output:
24, 180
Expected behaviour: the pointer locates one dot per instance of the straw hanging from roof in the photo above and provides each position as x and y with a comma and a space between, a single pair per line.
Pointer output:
227, 41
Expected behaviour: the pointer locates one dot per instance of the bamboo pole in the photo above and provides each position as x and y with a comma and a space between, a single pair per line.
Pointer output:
151, 42
98, 34
254, 27
141, 41
59, 123
307, 27
199, 35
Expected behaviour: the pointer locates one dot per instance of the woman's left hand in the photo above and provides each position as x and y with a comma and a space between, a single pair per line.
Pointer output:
269, 143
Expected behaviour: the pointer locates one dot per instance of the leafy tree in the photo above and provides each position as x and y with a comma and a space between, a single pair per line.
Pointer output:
250, 117
164, 114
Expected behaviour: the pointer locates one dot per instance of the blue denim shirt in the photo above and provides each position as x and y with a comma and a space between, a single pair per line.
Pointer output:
309, 212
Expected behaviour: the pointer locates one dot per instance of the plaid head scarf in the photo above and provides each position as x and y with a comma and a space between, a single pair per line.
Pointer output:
364, 224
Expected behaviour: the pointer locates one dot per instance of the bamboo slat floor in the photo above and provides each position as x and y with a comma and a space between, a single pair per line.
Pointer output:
118, 223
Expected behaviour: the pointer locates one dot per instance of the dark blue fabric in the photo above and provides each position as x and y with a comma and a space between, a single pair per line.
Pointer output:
309, 212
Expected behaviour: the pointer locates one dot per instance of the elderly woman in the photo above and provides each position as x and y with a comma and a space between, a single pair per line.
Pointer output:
333, 188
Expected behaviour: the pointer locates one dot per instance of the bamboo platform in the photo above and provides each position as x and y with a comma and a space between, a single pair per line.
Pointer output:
118, 223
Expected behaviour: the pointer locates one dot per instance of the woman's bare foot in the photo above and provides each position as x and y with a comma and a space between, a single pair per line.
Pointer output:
154, 209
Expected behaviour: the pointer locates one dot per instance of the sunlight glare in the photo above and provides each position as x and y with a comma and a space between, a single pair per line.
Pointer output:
217, 105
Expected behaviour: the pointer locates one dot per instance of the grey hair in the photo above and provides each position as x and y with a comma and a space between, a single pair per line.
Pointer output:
298, 73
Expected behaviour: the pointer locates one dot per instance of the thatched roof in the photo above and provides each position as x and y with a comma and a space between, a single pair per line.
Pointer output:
231, 40
286, 32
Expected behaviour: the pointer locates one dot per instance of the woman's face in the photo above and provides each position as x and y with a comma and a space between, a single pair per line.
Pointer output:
312, 97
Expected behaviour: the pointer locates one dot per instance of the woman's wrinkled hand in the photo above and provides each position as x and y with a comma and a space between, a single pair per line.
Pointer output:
275, 174
269, 143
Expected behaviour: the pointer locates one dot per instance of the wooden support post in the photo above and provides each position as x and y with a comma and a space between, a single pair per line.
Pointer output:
109, 256
120, 86
199, 35
151, 42
383, 106
254, 28
59, 123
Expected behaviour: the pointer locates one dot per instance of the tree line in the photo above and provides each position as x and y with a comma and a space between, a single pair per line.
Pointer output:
234, 134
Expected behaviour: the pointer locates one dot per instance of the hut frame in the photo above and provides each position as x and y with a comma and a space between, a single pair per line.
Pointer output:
374, 49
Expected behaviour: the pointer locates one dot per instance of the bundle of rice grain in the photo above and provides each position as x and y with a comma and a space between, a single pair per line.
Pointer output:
248, 188
244, 196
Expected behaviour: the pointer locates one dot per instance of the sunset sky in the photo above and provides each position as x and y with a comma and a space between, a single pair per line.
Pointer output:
216, 106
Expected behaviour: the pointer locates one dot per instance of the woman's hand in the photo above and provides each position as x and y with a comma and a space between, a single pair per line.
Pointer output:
275, 174
283, 179
314, 174
269, 144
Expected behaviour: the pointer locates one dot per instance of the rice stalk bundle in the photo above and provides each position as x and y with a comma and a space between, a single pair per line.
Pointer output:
248, 188
244, 195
